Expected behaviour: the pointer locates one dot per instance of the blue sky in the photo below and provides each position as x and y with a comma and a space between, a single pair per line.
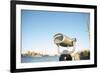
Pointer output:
39, 27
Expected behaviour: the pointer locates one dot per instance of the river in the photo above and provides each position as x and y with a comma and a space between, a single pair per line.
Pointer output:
27, 59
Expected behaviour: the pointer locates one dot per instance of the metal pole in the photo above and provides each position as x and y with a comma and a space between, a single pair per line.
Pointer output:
88, 26
58, 50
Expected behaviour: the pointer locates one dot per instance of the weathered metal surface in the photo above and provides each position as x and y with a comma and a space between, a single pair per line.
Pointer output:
63, 40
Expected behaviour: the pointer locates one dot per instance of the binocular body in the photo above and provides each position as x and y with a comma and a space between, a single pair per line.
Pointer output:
63, 40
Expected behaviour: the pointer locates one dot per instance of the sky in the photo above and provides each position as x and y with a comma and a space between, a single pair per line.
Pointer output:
39, 27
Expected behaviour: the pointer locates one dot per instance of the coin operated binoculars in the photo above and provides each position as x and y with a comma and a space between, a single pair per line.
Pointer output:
64, 41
